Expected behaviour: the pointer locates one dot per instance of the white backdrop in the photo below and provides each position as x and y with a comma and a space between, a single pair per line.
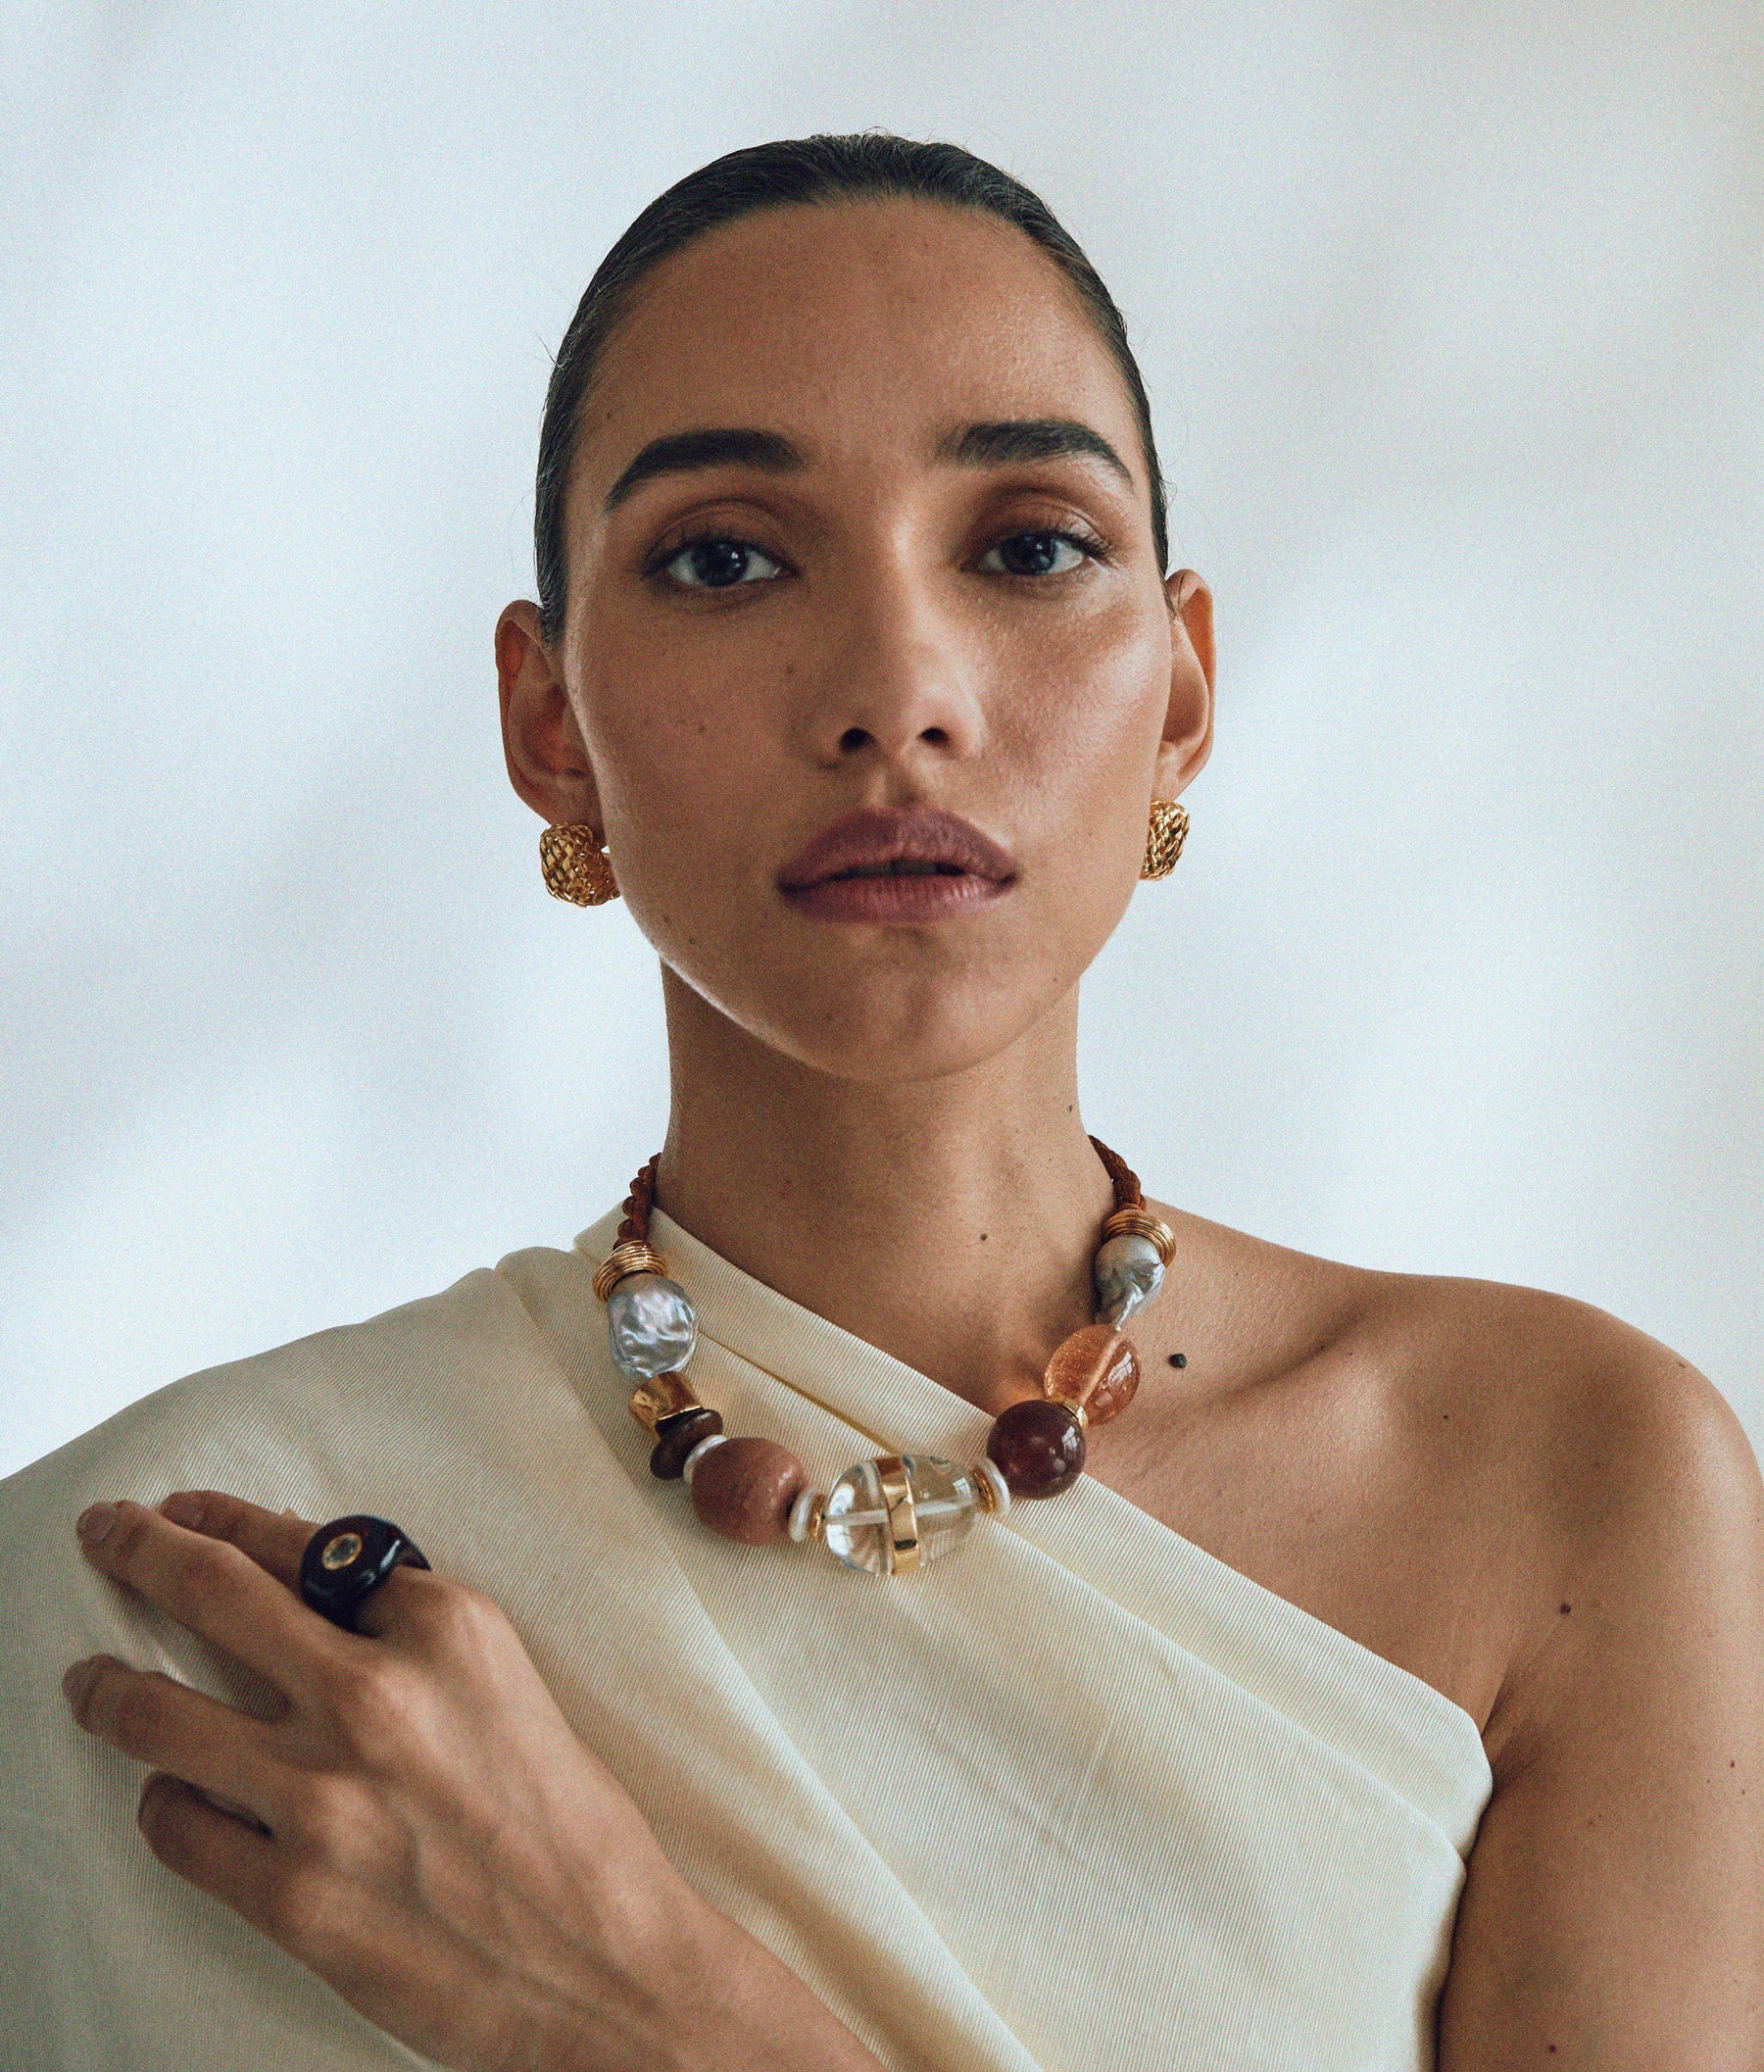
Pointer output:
1452, 320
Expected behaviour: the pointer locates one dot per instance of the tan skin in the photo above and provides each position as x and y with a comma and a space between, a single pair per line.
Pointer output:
1546, 1515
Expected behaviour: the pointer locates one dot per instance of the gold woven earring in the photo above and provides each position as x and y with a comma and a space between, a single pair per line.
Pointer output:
577, 867
1164, 836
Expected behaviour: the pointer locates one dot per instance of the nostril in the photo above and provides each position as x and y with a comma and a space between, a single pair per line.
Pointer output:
936, 736
852, 739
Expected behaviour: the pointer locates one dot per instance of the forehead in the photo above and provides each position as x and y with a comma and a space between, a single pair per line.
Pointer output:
849, 325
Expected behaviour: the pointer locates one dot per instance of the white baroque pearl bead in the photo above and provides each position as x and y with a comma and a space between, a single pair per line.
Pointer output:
651, 1324
1129, 1273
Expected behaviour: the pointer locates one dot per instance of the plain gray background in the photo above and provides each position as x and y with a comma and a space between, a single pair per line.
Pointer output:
1452, 323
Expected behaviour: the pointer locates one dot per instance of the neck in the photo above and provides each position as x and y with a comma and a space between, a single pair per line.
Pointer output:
952, 1223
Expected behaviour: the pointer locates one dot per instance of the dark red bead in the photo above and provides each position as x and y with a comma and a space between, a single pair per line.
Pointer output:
1038, 1446
675, 1438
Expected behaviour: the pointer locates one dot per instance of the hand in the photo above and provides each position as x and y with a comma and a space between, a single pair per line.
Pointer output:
417, 1823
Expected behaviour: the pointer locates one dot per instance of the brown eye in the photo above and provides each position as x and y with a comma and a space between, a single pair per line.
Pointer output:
1033, 554
718, 564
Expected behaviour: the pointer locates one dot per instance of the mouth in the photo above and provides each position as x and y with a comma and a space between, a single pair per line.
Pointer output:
882, 863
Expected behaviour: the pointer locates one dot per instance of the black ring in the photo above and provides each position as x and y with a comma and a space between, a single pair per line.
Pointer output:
347, 1560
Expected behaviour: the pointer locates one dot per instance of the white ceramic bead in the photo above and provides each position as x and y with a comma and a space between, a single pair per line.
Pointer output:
1129, 1273
651, 1324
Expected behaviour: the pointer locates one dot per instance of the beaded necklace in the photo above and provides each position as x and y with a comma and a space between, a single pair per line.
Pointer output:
890, 1514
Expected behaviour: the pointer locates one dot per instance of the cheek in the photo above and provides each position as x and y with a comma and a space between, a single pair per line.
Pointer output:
690, 772
1079, 724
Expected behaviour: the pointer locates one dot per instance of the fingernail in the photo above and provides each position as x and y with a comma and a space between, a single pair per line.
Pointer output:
184, 1508
73, 1680
94, 1522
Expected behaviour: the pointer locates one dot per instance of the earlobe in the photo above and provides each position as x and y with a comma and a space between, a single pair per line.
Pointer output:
542, 744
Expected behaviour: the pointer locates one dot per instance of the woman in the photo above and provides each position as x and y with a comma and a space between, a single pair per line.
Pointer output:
1388, 1680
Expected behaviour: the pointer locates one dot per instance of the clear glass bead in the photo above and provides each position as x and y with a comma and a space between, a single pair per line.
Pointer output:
1129, 1273
651, 1324
854, 1523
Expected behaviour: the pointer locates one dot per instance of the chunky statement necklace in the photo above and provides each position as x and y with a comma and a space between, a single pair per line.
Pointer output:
894, 1513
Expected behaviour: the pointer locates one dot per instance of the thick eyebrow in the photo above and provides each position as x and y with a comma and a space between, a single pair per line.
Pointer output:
998, 443
684, 452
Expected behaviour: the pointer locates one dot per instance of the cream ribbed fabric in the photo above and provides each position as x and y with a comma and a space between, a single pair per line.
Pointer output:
1077, 1795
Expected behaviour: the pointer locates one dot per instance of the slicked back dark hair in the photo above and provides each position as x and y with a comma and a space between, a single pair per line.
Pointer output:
798, 171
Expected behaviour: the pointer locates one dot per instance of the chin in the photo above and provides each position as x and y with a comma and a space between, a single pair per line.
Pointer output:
890, 1029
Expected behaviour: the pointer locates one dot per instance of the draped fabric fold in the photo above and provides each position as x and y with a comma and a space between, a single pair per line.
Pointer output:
1076, 1796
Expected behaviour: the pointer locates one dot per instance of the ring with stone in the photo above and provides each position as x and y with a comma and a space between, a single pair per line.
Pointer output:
347, 1560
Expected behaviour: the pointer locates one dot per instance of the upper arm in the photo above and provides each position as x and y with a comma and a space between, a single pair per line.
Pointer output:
1613, 1916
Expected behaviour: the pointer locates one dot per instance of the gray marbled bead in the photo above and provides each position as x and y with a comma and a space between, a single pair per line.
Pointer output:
1129, 1274
651, 1324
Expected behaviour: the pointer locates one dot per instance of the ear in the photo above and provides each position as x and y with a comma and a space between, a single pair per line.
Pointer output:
1189, 718
548, 762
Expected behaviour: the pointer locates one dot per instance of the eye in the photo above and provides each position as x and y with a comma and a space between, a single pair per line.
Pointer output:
1034, 554
718, 564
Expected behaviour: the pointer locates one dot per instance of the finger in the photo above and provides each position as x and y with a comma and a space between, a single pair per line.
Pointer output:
274, 1543
216, 1589
213, 1850
157, 1720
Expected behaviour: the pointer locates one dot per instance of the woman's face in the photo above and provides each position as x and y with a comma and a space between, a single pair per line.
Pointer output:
894, 560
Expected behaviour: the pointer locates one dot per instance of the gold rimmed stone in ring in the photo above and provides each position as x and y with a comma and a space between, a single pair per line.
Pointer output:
903, 1520
340, 1551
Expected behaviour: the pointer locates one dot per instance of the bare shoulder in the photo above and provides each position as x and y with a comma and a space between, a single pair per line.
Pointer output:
1501, 1450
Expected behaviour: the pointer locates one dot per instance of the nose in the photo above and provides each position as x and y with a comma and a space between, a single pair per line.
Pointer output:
896, 685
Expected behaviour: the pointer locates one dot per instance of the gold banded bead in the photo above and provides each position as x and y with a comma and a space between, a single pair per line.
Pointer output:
903, 1520
662, 1396
629, 1258
1142, 1223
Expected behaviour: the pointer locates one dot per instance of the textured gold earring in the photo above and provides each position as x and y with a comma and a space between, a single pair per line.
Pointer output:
1164, 836
577, 867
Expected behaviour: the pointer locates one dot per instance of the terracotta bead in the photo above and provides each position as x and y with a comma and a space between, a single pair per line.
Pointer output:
744, 1489
675, 1438
1038, 1446
1096, 1367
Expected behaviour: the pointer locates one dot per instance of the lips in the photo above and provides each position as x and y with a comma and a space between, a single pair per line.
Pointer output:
881, 864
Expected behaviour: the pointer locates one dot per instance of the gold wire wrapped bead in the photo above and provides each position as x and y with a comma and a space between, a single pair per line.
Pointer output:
628, 1257
1165, 832
1142, 1223
575, 865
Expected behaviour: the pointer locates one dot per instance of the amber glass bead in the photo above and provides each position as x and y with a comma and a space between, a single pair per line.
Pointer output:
1038, 1446
675, 1438
744, 1489
1096, 1367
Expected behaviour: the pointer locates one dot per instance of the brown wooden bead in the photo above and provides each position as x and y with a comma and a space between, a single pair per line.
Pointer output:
1096, 1367
675, 1438
1038, 1445
744, 1489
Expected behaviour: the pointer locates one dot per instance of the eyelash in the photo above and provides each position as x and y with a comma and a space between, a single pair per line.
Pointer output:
1088, 543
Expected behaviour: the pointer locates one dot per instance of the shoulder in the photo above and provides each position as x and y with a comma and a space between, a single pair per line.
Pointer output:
440, 1404
1503, 1450
1619, 1481
277, 1417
